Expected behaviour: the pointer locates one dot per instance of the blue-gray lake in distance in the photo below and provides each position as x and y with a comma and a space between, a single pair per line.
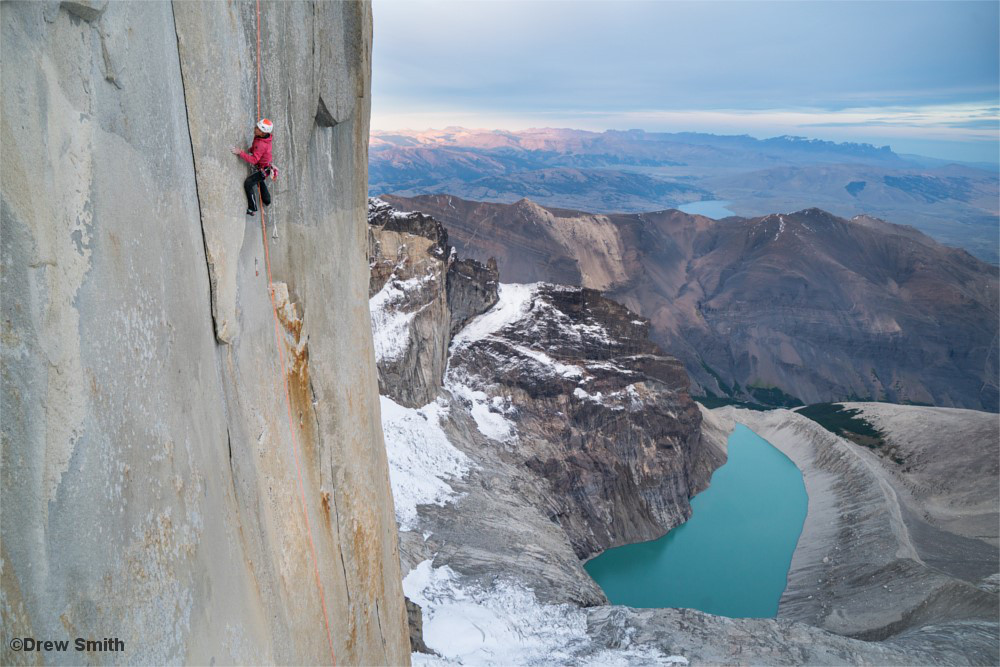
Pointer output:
710, 208
732, 556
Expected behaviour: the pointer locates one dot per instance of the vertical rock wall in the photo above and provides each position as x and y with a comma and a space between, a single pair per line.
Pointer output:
411, 265
149, 487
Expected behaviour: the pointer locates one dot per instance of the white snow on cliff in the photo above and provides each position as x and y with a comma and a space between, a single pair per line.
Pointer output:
420, 459
507, 625
390, 324
548, 364
376, 206
515, 303
490, 414
515, 299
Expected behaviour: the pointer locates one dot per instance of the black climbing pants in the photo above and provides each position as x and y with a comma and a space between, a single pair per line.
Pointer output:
250, 186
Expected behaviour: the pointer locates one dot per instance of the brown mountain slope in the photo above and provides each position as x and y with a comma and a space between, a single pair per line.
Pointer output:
806, 304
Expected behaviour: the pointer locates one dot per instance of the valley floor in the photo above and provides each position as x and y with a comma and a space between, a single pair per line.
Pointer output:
862, 588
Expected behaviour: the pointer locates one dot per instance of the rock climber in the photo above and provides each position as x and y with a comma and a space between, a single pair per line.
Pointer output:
259, 158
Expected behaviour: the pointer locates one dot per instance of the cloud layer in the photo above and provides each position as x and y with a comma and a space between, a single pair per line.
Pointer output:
921, 76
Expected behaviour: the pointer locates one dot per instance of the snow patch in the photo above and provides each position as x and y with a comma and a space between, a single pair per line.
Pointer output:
420, 458
551, 364
376, 206
513, 304
390, 325
502, 625
635, 399
593, 331
546, 317
489, 413
506, 625
586, 396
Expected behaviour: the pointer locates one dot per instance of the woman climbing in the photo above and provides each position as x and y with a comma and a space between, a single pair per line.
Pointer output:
260, 160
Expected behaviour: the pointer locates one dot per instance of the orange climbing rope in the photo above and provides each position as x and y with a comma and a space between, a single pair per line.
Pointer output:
284, 378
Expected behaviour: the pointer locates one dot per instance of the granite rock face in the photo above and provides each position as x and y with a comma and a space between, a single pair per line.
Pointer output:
150, 487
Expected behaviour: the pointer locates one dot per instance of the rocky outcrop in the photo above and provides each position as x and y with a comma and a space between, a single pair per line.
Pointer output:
408, 258
472, 289
592, 407
416, 626
548, 388
150, 481
802, 306
420, 295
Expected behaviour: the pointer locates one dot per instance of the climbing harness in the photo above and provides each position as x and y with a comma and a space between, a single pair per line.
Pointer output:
284, 378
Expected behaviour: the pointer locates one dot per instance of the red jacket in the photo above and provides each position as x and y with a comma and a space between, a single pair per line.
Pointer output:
260, 153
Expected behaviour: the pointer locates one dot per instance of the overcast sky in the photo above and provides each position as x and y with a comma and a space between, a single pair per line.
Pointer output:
919, 76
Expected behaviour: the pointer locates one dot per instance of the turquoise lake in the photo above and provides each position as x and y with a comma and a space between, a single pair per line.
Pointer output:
731, 558
711, 208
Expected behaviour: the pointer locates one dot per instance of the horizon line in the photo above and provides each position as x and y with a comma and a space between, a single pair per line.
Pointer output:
995, 163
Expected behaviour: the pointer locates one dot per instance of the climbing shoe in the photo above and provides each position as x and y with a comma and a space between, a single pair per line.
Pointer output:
250, 213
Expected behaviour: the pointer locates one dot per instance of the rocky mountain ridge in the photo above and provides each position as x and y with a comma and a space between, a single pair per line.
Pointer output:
635, 171
803, 306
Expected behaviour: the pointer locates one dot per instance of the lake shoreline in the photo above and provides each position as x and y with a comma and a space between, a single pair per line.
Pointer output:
716, 209
856, 570
735, 550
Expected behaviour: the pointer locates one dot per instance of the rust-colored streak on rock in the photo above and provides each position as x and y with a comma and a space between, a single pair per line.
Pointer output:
366, 550
297, 370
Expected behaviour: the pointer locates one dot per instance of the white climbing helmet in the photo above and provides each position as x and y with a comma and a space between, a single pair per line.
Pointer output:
264, 125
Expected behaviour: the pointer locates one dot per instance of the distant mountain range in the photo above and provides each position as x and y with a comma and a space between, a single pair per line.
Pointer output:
778, 309
634, 171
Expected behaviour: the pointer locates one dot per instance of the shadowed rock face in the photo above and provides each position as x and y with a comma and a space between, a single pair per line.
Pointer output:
472, 289
601, 415
408, 258
804, 304
149, 488
420, 295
